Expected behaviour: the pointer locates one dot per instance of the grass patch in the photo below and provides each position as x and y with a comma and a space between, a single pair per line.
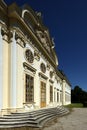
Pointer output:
75, 105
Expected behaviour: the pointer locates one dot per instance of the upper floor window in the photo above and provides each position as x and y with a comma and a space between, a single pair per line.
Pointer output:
51, 74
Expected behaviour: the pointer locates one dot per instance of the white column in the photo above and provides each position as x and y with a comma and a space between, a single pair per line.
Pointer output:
13, 71
1, 69
6, 66
63, 92
59, 96
56, 95
47, 93
53, 94
37, 88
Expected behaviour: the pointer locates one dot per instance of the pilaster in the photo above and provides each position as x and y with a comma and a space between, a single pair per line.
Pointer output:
13, 62
1, 69
63, 92
6, 77
59, 96
36, 89
47, 92
53, 94
36, 82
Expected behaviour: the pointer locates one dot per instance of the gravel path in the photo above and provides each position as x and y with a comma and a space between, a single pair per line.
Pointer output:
76, 120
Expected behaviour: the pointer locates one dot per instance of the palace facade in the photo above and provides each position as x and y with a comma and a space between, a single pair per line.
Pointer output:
29, 78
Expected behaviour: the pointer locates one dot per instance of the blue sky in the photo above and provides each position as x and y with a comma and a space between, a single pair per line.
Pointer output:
67, 23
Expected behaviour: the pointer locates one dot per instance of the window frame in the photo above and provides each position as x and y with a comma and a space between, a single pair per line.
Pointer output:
51, 93
29, 92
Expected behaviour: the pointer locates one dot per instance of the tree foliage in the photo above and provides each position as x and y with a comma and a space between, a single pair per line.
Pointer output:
78, 95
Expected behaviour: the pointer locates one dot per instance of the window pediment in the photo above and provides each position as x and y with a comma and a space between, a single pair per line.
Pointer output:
43, 76
27, 66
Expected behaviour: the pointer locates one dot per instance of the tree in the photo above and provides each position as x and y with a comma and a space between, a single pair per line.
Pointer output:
78, 95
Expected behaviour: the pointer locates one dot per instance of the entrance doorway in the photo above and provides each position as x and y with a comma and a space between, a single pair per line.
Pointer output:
43, 94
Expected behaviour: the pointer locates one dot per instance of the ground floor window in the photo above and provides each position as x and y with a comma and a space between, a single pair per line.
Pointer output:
67, 97
43, 94
60, 96
54, 96
51, 93
57, 96
29, 89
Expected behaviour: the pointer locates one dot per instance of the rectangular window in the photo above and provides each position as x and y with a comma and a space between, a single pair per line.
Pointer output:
54, 96
60, 96
43, 94
57, 96
29, 89
51, 93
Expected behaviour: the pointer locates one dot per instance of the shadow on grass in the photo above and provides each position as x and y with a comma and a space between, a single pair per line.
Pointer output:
74, 105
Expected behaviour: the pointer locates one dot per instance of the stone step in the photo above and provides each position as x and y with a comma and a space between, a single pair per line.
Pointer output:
23, 115
45, 117
33, 119
19, 125
29, 113
33, 111
28, 116
62, 111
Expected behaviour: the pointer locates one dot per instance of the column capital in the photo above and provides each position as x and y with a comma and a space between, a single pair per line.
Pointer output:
14, 35
19, 40
64, 81
5, 34
11, 36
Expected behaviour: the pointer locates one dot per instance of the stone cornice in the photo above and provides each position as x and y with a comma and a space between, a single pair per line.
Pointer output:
68, 93
63, 77
3, 25
3, 6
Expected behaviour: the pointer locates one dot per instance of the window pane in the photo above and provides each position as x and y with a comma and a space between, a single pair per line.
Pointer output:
29, 88
51, 93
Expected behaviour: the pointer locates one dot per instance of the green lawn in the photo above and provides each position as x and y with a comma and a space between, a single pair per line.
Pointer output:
75, 105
